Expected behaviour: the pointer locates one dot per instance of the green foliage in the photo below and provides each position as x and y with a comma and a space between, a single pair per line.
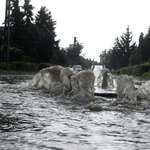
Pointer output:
35, 42
22, 66
122, 50
1, 42
126, 70
142, 54
138, 70
16, 17
116, 72
144, 68
146, 74
28, 14
148, 60
144, 47
43, 65
46, 43
73, 53
103, 56
1, 50
4, 66
62, 58
18, 66
15, 54
31, 67
28, 59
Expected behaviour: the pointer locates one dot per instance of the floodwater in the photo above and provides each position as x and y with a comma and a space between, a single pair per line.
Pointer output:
33, 120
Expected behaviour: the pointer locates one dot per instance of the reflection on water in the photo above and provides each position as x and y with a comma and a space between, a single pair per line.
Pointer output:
32, 119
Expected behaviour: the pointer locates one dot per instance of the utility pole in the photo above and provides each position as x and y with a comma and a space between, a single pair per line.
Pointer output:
75, 40
74, 50
7, 32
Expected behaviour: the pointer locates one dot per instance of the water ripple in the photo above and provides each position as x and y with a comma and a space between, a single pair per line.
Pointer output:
32, 119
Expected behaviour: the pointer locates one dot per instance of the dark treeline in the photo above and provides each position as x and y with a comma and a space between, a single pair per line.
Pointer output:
33, 40
124, 53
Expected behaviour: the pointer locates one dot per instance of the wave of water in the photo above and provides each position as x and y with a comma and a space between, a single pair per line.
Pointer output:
32, 119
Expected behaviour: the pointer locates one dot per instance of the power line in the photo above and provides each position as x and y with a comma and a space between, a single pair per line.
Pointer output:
47, 30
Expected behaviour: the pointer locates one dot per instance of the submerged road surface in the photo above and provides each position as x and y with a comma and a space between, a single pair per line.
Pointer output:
32, 119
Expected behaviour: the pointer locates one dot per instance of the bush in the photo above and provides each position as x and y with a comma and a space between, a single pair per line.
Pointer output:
4, 66
15, 54
28, 59
31, 67
140, 69
137, 70
1, 54
22, 66
126, 70
145, 67
116, 72
18, 66
43, 65
146, 74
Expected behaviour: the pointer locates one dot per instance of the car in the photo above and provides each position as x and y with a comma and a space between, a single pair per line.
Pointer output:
77, 67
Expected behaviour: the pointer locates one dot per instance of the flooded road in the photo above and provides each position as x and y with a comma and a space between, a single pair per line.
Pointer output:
34, 120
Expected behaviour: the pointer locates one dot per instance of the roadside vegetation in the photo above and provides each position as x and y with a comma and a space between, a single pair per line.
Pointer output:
33, 46
128, 58
142, 70
33, 43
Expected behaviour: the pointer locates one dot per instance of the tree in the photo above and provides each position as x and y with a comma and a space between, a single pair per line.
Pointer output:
28, 14
16, 17
46, 30
123, 49
23, 33
143, 51
16, 23
77, 49
141, 39
121, 52
73, 53
62, 58
103, 57
1, 51
136, 58
126, 48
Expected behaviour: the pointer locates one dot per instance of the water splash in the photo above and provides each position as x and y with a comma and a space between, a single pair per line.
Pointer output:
144, 91
96, 69
105, 79
125, 87
104, 82
81, 86
130, 96
65, 82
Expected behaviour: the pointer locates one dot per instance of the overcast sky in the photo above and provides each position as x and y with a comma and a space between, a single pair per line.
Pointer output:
95, 23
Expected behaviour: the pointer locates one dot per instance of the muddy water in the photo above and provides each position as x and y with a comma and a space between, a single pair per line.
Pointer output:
32, 120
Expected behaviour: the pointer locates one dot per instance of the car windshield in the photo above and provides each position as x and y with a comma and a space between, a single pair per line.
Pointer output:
77, 67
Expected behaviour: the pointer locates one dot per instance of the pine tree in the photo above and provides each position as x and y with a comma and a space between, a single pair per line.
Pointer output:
23, 32
16, 17
144, 47
28, 14
123, 49
46, 29
73, 53
16, 23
